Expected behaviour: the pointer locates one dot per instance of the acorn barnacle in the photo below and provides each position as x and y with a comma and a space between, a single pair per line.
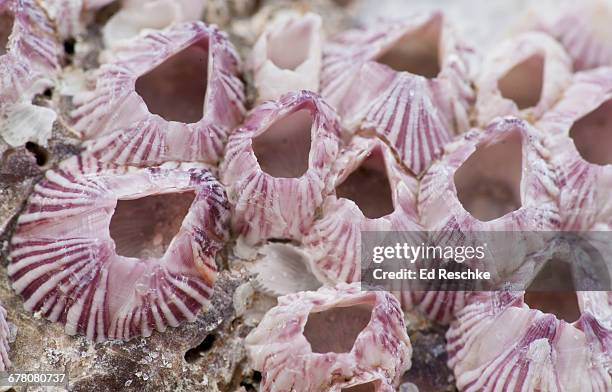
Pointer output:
115, 252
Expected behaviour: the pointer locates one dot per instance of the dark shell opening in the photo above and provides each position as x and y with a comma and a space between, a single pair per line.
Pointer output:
6, 28
417, 52
193, 354
369, 386
523, 83
145, 227
368, 186
289, 49
336, 329
592, 135
176, 89
489, 182
282, 150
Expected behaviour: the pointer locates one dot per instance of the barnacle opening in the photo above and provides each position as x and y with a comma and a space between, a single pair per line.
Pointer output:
336, 329
6, 27
358, 186
523, 83
417, 52
592, 135
193, 354
176, 88
38, 152
488, 183
370, 386
145, 227
282, 150
288, 48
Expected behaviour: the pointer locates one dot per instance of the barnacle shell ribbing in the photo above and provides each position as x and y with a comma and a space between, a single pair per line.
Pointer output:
416, 114
499, 343
580, 126
277, 194
287, 56
120, 120
331, 339
5, 362
523, 76
65, 264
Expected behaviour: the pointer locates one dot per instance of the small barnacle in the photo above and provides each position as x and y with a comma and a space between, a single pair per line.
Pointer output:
523, 76
166, 95
104, 249
371, 192
277, 166
499, 342
287, 56
333, 339
5, 333
580, 126
407, 81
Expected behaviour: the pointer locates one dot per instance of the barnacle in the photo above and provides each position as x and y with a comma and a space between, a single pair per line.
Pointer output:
332, 339
104, 250
407, 81
277, 166
5, 362
168, 95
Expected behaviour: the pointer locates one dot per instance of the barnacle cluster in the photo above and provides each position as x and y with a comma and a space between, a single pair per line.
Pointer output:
191, 160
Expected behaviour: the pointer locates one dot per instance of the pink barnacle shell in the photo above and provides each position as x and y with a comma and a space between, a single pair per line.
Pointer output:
408, 81
372, 192
277, 166
330, 340
523, 76
5, 362
580, 126
191, 98
94, 250
499, 343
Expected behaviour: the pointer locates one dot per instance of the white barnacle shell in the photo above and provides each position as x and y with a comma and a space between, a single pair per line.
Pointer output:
287, 55
580, 141
522, 76
94, 251
330, 340
5, 332
372, 192
186, 110
499, 343
408, 81
277, 166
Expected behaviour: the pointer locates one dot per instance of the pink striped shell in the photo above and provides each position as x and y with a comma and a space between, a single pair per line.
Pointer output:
540, 71
283, 207
585, 197
5, 332
415, 114
333, 242
64, 264
499, 343
119, 121
291, 358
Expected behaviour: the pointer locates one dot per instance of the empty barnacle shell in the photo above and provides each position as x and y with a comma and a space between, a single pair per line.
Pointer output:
499, 343
277, 166
287, 55
372, 192
330, 340
523, 76
95, 250
409, 81
167, 95
580, 126
5, 362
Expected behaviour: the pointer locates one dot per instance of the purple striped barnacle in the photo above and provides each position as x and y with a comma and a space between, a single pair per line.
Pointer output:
522, 76
334, 339
499, 342
167, 95
95, 250
277, 166
408, 81
580, 126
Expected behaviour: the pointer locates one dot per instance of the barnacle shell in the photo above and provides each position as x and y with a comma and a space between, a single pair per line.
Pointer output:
276, 196
287, 56
583, 163
5, 362
69, 15
499, 343
416, 114
65, 264
343, 219
125, 129
523, 76
331, 339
